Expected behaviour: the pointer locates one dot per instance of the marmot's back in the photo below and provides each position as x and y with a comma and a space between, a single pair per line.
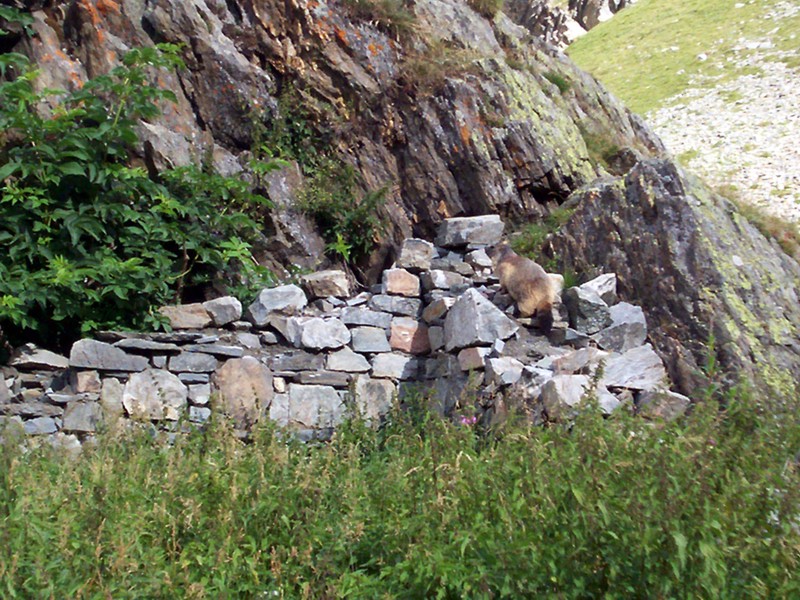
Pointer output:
528, 283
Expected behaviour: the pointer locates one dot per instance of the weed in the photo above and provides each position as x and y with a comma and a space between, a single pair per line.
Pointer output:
395, 17
427, 72
600, 147
486, 8
530, 240
558, 80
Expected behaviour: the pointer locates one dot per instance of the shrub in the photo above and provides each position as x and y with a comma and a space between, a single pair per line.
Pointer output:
89, 241
705, 507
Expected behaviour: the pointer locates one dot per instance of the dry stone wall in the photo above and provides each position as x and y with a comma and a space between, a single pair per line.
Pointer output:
306, 356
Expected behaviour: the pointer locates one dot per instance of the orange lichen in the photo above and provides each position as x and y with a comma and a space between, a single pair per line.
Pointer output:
342, 35
106, 6
464, 131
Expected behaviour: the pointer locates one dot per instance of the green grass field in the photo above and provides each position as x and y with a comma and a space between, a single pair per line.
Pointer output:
649, 52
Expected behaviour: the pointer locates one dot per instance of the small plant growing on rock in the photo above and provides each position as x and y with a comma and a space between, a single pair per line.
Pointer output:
486, 8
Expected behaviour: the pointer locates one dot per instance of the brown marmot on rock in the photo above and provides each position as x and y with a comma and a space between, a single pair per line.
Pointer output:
527, 283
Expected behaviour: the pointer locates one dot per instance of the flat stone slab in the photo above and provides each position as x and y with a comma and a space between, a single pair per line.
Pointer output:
605, 286
397, 305
588, 313
32, 357
370, 339
314, 406
187, 316
348, 361
146, 346
441, 280
486, 230
400, 282
40, 426
192, 362
216, 350
332, 378
628, 329
662, 404
415, 255
395, 366
82, 417
358, 315
409, 335
503, 371
323, 284
91, 354
323, 334
285, 298
470, 359
637, 369
374, 398
298, 360
562, 393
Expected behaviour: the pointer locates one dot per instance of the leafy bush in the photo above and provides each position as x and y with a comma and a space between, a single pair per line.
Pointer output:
89, 241
707, 507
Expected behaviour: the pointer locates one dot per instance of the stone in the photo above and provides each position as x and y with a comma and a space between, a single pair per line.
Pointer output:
245, 389
87, 381
199, 393
478, 259
30, 357
415, 255
323, 334
628, 329
440, 366
323, 284
91, 354
587, 311
604, 286
364, 316
111, 399
269, 338
441, 280
607, 401
5, 392
662, 404
637, 369
82, 417
223, 310
176, 337
473, 358
397, 305
331, 378
400, 282
348, 361
250, 341
279, 409
285, 298
561, 395
40, 426
298, 360
370, 339
31, 408
503, 371
192, 362
154, 395
436, 338
484, 230
374, 398
409, 335
314, 406
190, 378
474, 321
437, 309
583, 360
187, 316
218, 350
279, 385
199, 414
359, 299
137, 346
394, 366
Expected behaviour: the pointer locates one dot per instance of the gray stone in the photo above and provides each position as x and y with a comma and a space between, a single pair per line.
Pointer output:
364, 316
241, 325
192, 362
503, 371
474, 321
176, 337
359, 299
223, 310
82, 417
248, 340
279, 385
583, 360
200, 393
154, 395
637, 369
322, 334
604, 286
285, 298
40, 426
607, 401
441, 280
216, 350
662, 404
395, 366
31, 409
187, 316
397, 305
562, 394
400, 282
436, 338
332, 378
5, 393
245, 389
409, 335
370, 339
478, 259
437, 309
91, 354
269, 338
587, 311
485, 230
326, 283
314, 406
137, 345
415, 255
87, 382
374, 398
298, 361
189, 378
628, 329
32, 357
443, 365
279, 409
348, 361
199, 414
473, 358
111, 399
290, 327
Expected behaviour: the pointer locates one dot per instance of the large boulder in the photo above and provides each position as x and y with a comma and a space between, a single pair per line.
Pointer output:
707, 279
154, 395
245, 389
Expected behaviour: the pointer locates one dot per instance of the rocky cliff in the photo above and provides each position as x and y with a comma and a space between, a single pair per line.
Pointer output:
457, 114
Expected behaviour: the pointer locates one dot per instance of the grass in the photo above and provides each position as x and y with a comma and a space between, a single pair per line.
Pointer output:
702, 507
649, 52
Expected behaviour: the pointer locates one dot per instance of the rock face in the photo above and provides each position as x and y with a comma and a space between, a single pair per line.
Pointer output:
699, 270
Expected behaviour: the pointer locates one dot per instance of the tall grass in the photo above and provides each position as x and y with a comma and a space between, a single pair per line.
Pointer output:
706, 507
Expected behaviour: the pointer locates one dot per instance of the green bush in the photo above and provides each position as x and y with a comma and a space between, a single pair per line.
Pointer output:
89, 241
706, 507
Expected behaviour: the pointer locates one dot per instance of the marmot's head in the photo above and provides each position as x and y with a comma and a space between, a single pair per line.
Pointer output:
499, 251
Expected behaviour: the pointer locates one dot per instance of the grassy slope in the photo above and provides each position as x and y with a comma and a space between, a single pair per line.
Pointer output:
648, 53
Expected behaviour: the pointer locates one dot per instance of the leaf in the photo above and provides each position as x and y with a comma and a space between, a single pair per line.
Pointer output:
72, 168
681, 544
8, 169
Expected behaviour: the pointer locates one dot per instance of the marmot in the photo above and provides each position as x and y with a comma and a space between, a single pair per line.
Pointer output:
527, 283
